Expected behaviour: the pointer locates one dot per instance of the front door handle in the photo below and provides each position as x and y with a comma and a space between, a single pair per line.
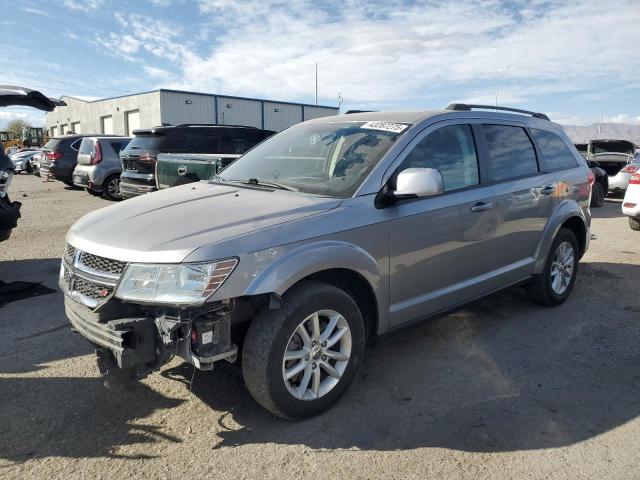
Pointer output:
482, 206
548, 190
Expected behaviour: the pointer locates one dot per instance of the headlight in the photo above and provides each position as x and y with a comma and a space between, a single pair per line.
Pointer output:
5, 180
187, 283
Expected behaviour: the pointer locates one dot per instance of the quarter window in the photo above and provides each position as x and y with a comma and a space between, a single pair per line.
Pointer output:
511, 153
557, 155
451, 151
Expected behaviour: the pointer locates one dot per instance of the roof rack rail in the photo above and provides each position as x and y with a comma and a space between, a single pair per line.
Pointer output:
358, 111
462, 107
212, 125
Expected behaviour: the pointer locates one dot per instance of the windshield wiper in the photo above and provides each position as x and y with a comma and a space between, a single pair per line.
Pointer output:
265, 183
217, 178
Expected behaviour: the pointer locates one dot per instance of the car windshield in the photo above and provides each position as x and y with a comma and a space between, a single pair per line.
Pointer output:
330, 159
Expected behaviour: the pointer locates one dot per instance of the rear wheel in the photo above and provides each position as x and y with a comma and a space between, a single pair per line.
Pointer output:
597, 195
297, 361
111, 188
634, 223
554, 284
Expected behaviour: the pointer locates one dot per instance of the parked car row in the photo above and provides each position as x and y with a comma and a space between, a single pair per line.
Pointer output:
118, 167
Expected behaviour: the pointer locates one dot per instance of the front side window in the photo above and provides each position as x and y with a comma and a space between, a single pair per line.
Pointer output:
451, 151
511, 153
557, 155
331, 159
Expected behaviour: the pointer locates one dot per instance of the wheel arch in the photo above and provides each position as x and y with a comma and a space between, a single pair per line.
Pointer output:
337, 263
568, 214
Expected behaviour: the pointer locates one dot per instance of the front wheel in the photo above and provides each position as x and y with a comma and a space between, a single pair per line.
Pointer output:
297, 361
553, 286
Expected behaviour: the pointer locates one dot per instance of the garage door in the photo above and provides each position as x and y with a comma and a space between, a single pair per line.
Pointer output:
75, 126
64, 129
107, 125
54, 131
133, 121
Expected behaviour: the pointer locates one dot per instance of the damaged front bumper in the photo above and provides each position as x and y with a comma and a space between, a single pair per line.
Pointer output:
140, 344
138, 339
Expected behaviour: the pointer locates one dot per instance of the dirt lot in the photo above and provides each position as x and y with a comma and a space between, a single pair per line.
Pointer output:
502, 389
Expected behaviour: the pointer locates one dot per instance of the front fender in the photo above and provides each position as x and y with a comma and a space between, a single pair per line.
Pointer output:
300, 262
563, 212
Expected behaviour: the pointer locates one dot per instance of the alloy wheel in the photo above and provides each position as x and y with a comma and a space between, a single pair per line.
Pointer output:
562, 267
317, 355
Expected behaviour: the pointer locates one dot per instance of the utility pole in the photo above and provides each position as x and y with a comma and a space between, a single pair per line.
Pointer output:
340, 100
316, 83
497, 96
600, 125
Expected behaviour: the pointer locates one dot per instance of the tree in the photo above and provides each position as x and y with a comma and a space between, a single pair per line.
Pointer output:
16, 126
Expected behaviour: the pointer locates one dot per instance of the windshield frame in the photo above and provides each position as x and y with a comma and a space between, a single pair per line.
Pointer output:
300, 188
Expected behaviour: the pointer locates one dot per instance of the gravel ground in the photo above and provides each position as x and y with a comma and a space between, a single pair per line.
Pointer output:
502, 389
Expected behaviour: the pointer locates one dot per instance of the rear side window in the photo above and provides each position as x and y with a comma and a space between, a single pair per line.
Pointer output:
76, 145
511, 153
145, 142
52, 144
238, 142
86, 147
451, 151
118, 145
556, 153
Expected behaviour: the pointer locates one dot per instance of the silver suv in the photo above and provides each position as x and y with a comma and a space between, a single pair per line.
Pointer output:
99, 167
325, 236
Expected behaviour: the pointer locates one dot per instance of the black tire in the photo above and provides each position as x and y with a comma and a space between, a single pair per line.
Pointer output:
107, 191
28, 168
597, 195
634, 223
92, 192
540, 288
69, 183
268, 337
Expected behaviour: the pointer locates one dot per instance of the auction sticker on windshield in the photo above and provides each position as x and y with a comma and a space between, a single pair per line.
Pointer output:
385, 126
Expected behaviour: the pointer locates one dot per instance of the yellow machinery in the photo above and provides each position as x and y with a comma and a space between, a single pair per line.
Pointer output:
31, 137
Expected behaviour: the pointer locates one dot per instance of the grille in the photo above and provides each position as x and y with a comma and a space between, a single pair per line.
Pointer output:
90, 289
69, 254
101, 264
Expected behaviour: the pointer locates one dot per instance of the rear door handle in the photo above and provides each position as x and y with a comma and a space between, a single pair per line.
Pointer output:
482, 206
548, 189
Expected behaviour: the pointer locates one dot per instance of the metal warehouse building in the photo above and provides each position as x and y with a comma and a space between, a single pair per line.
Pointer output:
122, 115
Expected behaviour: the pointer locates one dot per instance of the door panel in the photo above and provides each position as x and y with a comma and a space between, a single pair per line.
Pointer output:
439, 253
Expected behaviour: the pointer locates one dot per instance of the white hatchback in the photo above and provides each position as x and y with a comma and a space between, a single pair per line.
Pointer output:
631, 202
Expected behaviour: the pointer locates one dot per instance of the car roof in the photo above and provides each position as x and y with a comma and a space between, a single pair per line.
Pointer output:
417, 116
212, 126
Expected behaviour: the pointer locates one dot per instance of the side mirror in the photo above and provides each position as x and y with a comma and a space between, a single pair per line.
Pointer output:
412, 183
419, 182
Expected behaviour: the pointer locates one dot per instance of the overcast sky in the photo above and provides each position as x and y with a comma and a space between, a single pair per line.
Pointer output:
571, 59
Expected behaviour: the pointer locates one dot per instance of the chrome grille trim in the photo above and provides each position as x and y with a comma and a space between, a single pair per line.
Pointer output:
89, 279
100, 265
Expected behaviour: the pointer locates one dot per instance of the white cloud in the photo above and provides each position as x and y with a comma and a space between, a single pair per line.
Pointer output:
84, 5
386, 51
35, 11
156, 72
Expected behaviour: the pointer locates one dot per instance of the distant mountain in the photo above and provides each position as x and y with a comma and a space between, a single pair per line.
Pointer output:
620, 131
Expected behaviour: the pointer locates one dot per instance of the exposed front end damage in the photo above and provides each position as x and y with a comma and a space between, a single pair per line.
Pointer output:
133, 340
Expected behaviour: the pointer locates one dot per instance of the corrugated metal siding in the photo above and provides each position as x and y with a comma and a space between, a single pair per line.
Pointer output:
235, 111
279, 116
311, 112
176, 110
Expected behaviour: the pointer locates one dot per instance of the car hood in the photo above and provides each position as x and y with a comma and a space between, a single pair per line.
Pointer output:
166, 226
